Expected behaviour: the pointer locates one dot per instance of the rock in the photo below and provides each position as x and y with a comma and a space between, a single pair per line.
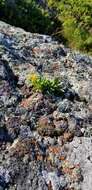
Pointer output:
4, 178
6, 73
47, 131
45, 126
1, 188
78, 132
25, 132
13, 126
59, 52
68, 136
4, 135
80, 151
57, 182
65, 106
61, 124
45, 140
48, 127
57, 115
45, 121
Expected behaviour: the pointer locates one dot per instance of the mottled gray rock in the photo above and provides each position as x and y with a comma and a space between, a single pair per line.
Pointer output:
65, 106
4, 177
30, 160
57, 182
80, 152
25, 132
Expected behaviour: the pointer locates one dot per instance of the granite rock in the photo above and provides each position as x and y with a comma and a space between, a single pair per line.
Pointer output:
45, 139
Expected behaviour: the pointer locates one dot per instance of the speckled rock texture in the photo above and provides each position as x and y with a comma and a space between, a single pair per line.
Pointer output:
45, 139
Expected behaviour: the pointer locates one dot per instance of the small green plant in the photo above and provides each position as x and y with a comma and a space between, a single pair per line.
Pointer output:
49, 86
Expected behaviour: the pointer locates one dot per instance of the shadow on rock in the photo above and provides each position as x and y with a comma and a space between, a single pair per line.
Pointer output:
4, 136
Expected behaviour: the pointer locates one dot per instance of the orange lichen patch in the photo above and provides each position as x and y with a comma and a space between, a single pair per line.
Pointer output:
73, 171
20, 150
39, 157
26, 103
62, 158
67, 164
43, 121
26, 91
55, 150
21, 147
36, 50
55, 66
68, 136
67, 171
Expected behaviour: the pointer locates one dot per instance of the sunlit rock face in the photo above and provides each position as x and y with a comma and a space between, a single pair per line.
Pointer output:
45, 139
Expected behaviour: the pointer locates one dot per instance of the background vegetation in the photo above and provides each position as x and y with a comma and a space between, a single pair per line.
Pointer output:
26, 14
69, 20
75, 18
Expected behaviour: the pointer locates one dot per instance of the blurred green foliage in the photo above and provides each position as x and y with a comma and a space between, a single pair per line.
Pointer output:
26, 14
75, 17
70, 20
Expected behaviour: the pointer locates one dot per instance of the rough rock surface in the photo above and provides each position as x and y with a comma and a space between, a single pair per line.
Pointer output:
45, 140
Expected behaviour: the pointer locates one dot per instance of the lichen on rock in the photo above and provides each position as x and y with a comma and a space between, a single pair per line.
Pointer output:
45, 138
